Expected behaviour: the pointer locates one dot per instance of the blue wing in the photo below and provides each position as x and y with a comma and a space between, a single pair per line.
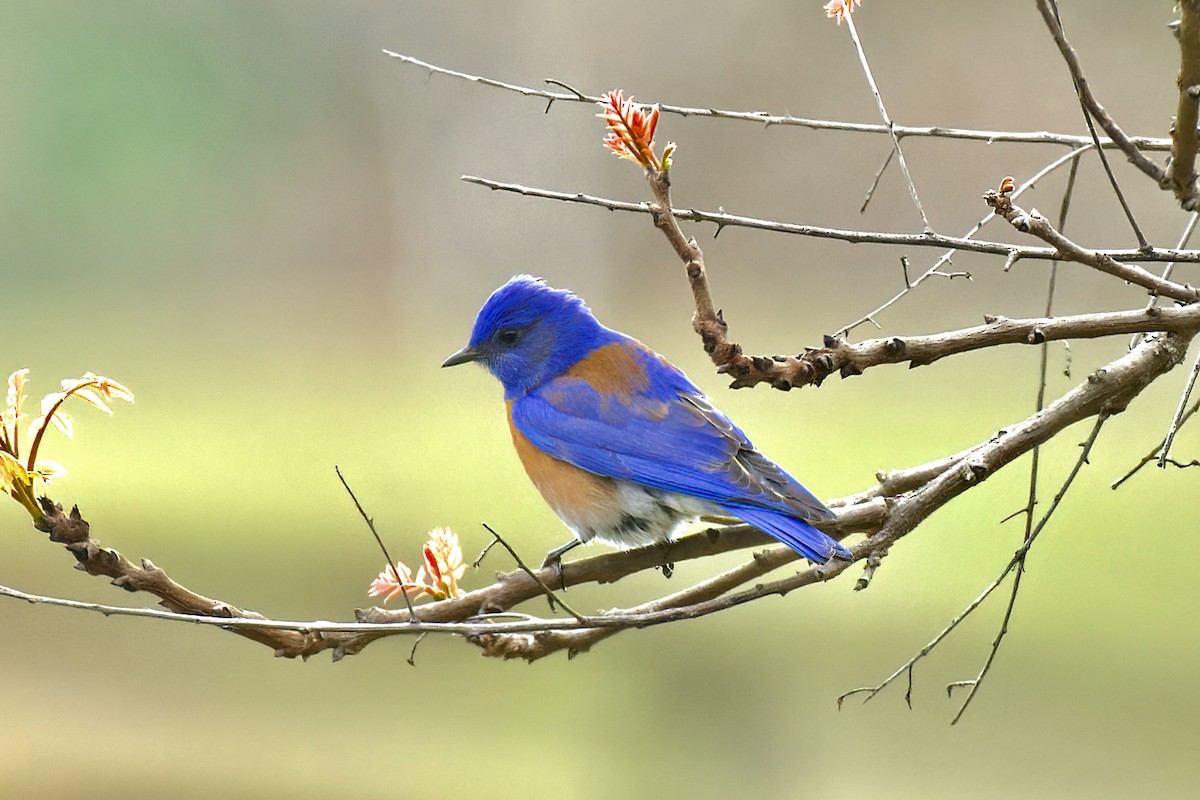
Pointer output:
661, 431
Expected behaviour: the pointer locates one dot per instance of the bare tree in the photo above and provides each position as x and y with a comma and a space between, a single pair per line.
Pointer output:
897, 503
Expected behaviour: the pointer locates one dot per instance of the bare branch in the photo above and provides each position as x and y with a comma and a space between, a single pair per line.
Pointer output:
1034, 466
1078, 80
708, 322
1091, 105
1034, 469
378, 539
887, 120
1177, 418
1037, 225
554, 599
1152, 454
1102, 414
769, 119
723, 220
875, 181
72, 531
1107, 391
813, 366
1071, 157
305, 638
849, 359
1018, 563
1181, 170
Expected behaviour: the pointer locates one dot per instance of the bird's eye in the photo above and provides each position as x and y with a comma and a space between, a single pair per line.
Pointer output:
508, 336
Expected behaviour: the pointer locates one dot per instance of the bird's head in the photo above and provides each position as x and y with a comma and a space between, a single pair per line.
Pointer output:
528, 332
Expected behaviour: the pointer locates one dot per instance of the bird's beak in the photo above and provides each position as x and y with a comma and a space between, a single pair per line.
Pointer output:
464, 356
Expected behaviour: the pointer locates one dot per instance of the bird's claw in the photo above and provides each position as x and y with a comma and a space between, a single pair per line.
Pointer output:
554, 559
556, 564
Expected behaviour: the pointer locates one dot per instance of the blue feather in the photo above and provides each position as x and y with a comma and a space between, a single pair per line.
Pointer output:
631, 415
693, 449
795, 533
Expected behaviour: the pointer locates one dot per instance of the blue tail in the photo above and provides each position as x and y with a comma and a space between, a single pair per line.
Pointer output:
795, 533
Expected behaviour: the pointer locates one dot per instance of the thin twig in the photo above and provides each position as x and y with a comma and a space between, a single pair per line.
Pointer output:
875, 182
1188, 230
769, 119
1035, 461
1032, 222
908, 666
1129, 146
722, 219
378, 540
541, 584
487, 548
1018, 563
1044, 360
883, 113
1091, 108
412, 654
950, 275
1183, 465
1177, 418
1011, 256
1152, 454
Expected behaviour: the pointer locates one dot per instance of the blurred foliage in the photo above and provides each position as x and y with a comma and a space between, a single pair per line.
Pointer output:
254, 219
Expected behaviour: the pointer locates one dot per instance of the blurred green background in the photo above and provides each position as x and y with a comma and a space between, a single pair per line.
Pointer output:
254, 219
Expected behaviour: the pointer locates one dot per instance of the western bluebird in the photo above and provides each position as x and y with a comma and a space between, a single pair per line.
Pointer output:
619, 442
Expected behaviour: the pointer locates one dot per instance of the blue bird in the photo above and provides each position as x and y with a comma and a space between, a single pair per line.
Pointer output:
618, 441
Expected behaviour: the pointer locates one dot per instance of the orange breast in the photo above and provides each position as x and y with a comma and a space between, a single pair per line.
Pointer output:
584, 500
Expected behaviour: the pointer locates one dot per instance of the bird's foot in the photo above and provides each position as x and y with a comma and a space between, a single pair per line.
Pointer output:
554, 559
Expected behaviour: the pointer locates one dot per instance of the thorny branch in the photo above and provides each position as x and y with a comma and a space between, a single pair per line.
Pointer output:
292, 639
940, 241
768, 119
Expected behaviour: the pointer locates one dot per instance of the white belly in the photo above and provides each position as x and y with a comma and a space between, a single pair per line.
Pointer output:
641, 516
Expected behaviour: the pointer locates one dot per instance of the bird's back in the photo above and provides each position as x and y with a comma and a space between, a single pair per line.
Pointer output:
625, 414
